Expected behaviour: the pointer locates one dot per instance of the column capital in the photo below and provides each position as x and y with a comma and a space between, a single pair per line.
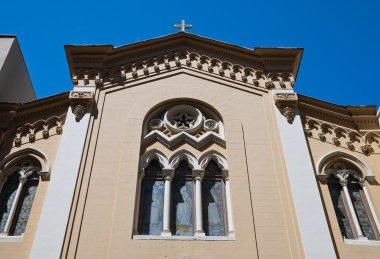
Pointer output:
225, 174
168, 174
198, 174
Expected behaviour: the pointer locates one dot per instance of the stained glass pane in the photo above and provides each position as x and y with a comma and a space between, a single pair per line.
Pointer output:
154, 169
183, 169
152, 200
25, 206
7, 196
182, 208
213, 216
212, 169
340, 211
361, 212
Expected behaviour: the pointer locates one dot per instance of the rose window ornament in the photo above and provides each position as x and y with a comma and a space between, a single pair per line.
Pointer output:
156, 124
211, 125
183, 121
183, 118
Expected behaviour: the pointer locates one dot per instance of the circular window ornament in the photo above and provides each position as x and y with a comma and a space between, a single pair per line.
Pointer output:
183, 118
156, 124
211, 125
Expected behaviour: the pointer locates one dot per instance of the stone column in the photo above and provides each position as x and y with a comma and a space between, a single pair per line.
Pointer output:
8, 224
168, 175
230, 225
198, 176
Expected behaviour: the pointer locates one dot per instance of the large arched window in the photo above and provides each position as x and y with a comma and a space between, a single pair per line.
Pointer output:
188, 195
18, 188
352, 205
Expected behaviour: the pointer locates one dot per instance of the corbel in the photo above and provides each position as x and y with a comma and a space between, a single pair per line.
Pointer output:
80, 101
286, 103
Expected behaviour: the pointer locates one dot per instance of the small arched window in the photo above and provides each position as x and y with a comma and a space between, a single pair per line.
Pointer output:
213, 203
182, 189
152, 200
352, 205
18, 188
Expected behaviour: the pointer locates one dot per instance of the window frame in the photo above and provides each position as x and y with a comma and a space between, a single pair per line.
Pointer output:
23, 172
347, 177
171, 165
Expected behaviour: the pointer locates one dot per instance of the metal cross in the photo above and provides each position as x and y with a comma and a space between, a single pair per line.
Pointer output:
183, 26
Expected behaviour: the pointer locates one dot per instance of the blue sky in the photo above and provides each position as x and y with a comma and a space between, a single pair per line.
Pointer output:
341, 38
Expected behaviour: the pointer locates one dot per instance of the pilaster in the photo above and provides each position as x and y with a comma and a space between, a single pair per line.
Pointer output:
312, 222
49, 238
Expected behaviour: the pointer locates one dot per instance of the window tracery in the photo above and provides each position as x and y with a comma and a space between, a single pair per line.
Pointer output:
194, 194
352, 205
18, 188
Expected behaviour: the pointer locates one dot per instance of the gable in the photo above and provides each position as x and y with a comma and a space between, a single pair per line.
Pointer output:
106, 65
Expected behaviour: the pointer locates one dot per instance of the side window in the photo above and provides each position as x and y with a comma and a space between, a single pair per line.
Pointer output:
351, 202
19, 186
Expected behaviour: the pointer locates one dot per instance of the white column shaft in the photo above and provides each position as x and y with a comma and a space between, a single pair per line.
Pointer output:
352, 211
230, 224
198, 208
13, 209
166, 219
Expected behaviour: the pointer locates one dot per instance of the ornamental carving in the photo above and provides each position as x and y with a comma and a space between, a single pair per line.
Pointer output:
80, 101
198, 174
183, 123
288, 112
366, 142
286, 103
189, 60
31, 132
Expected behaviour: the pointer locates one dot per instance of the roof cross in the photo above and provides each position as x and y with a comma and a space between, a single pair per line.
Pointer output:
183, 26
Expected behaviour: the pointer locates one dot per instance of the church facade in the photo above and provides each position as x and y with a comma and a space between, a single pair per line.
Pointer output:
184, 147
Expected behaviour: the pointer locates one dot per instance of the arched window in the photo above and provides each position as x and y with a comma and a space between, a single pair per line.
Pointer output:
152, 200
19, 186
182, 188
179, 194
352, 205
213, 201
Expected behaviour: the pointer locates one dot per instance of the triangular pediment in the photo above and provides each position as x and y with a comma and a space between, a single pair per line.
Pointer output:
106, 64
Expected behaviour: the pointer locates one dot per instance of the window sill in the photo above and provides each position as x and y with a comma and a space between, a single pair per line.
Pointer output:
210, 238
10, 239
362, 242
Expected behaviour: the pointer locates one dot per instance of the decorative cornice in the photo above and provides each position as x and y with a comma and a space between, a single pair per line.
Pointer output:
80, 101
354, 117
366, 142
286, 103
31, 130
145, 68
